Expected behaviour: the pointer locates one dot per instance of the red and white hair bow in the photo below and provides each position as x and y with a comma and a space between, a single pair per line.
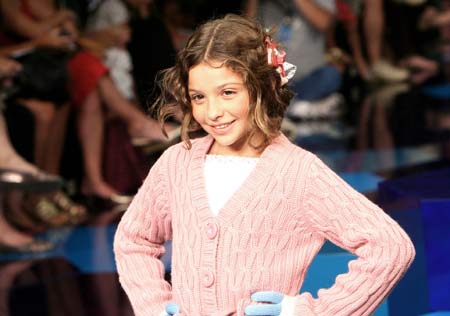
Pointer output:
277, 58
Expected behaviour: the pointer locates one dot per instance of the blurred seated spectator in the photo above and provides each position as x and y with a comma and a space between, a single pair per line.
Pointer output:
93, 94
40, 87
12, 239
376, 66
301, 28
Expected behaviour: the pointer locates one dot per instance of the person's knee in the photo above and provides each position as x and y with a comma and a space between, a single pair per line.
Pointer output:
43, 112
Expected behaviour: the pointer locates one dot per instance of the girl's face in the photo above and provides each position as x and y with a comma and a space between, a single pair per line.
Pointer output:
220, 104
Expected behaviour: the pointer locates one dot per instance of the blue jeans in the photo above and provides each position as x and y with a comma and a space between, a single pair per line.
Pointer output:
318, 84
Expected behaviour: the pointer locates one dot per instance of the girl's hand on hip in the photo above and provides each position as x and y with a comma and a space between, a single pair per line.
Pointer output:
271, 304
172, 309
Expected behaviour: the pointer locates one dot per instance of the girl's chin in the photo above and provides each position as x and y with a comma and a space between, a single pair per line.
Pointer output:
228, 146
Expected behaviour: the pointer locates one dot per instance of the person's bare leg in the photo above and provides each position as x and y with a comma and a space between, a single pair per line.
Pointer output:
44, 114
90, 133
9, 158
354, 41
55, 140
373, 29
10, 236
381, 68
139, 125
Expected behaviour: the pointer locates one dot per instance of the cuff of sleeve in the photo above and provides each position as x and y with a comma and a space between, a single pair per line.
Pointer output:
300, 305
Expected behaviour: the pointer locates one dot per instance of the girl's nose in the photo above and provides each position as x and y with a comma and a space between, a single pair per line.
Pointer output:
214, 111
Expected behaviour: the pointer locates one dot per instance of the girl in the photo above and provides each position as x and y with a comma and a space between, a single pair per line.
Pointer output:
246, 209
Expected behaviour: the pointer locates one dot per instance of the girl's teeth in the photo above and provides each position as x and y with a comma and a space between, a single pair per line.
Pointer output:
222, 126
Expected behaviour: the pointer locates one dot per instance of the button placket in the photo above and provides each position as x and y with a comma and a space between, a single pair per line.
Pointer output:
208, 276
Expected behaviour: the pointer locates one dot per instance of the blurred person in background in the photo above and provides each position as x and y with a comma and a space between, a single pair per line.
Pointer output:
12, 239
301, 27
93, 94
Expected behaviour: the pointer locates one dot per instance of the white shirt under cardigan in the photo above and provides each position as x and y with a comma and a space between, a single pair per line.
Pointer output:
223, 176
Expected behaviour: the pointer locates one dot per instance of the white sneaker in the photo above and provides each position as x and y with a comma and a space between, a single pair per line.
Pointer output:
328, 107
385, 71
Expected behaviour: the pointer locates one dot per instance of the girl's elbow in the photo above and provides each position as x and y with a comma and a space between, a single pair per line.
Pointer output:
410, 252
405, 254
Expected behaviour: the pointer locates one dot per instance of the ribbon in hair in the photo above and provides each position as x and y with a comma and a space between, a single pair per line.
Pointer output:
277, 58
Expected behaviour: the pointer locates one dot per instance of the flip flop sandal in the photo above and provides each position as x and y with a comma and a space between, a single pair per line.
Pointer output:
77, 212
15, 179
48, 213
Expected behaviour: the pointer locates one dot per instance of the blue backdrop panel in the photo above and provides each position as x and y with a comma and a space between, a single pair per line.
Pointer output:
421, 204
436, 215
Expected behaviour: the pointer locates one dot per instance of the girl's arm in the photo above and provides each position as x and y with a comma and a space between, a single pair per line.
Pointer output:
348, 219
138, 244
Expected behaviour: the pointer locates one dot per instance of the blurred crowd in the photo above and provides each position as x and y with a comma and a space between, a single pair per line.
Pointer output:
78, 77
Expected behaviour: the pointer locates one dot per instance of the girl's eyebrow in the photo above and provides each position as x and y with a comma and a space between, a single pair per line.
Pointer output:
219, 87
228, 84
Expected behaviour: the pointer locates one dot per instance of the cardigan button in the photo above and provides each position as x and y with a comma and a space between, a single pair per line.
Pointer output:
208, 279
211, 230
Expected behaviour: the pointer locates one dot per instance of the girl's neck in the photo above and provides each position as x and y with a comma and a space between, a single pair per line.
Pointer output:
245, 150
234, 154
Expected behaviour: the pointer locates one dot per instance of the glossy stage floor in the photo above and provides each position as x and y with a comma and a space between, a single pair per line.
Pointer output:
393, 146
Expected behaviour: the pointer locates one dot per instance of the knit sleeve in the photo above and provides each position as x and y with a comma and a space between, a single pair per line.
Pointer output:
138, 245
348, 219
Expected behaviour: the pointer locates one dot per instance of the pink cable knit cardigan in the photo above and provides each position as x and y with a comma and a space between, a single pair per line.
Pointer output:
264, 238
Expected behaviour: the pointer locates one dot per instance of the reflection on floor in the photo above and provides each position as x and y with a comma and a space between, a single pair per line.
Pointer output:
380, 139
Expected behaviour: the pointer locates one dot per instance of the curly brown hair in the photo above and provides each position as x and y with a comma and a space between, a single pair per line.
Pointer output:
238, 43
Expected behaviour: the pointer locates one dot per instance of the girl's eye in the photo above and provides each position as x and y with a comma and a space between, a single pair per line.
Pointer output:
196, 97
229, 92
